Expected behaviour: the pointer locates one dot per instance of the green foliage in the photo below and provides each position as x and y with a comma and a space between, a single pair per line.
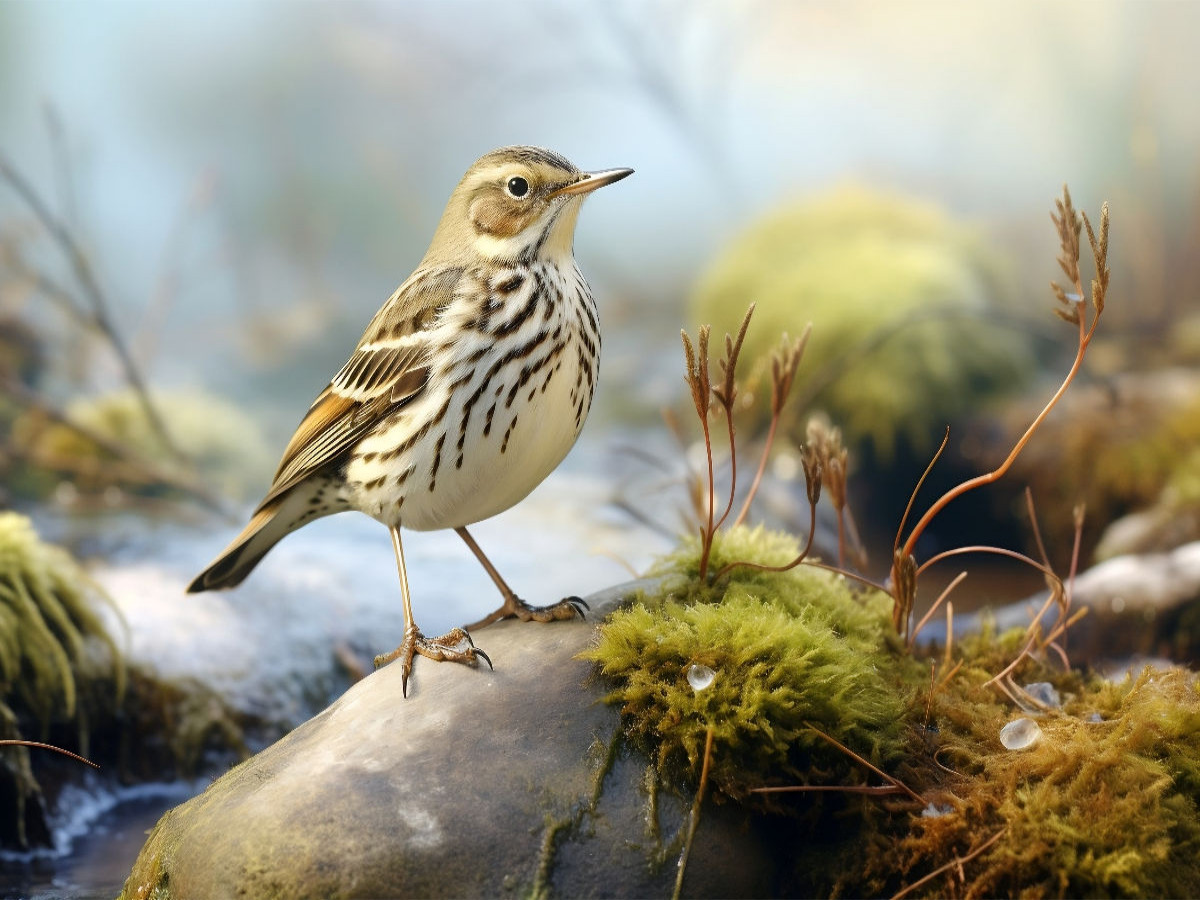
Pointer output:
57, 660
864, 267
49, 630
789, 651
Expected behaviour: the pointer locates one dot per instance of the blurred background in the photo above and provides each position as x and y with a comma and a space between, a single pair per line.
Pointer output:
213, 199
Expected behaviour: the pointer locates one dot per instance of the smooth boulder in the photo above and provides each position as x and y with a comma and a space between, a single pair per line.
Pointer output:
481, 783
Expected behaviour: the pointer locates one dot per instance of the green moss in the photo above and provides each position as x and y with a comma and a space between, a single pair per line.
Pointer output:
49, 627
58, 663
789, 651
1107, 803
861, 265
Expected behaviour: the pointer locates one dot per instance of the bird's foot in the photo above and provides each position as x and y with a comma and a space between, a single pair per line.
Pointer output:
453, 646
516, 608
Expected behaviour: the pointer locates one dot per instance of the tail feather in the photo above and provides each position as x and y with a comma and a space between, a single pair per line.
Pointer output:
271, 522
238, 559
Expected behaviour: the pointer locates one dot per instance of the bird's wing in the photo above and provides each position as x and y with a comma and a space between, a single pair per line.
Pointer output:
388, 368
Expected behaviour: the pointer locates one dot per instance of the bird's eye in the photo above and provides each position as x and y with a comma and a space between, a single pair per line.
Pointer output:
518, 187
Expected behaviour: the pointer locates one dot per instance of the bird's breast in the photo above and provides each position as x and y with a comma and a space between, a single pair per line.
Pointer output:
513, 370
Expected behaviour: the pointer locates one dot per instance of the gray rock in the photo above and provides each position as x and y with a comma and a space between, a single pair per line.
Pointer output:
481, 783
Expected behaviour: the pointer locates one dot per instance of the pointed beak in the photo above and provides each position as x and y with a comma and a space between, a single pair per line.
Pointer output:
591, 181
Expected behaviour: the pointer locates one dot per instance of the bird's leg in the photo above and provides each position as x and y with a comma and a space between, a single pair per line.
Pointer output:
455, 645
514, 606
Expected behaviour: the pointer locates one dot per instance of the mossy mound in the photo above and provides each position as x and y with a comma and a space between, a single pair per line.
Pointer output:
1106, 803
221, 441
868, 267
58, 663
787, 652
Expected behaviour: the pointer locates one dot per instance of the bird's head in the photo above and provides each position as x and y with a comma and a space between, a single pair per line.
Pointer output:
516, 203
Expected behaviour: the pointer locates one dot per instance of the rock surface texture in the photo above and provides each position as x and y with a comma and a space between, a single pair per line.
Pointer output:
505, 783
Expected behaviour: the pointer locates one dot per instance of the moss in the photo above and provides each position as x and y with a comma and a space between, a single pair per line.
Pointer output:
57, 661
860, 264
788, 651
1107, 803
49, 627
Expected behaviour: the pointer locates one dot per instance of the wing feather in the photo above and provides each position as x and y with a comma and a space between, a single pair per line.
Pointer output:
387, 369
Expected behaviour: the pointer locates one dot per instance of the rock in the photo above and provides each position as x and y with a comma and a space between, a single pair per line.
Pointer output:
482, 783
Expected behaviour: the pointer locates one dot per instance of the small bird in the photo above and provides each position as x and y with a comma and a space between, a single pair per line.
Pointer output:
466, 390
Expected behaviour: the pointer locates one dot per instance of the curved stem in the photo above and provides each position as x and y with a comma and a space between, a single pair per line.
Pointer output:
1085, 337
762, 466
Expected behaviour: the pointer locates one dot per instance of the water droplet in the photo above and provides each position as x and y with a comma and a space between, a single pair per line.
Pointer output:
1044, 693
1020, 734
700, 677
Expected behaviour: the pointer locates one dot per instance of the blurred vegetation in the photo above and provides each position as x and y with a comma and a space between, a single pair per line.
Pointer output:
58, 662
64, 679
904, 303
1139, 434
224, 444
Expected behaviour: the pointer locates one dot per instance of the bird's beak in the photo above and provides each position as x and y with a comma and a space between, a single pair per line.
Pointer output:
591, 181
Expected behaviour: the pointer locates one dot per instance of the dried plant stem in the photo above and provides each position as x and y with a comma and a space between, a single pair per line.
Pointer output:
1085, 338
890, 779
955, 863
958, 579
706, 534
41, 746
694, 818
812, 528
758, 473
100, 315
729, 430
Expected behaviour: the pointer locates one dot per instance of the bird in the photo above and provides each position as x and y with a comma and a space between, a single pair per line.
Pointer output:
467, 388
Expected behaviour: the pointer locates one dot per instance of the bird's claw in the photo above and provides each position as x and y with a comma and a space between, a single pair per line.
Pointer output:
447, 647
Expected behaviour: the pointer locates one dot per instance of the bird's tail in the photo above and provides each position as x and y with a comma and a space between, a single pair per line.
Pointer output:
270, 523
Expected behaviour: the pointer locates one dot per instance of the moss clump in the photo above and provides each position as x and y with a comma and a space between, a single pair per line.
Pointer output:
57, 661
788, 651
1107, 803
861, 265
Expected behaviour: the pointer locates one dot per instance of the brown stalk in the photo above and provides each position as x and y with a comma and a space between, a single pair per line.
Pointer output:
1068, 224
694, 819
955, 863
784, 363
958, 579
726, 394
698, 380
41, 746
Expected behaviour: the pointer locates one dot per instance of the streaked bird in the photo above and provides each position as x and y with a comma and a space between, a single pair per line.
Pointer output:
466, 390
